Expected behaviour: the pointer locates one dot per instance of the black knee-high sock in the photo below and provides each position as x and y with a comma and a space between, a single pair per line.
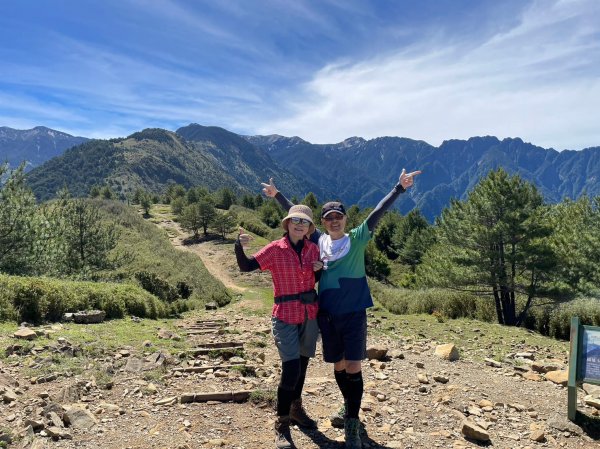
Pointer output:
284, 401
290, 372
355, 392
301, 377
340, 378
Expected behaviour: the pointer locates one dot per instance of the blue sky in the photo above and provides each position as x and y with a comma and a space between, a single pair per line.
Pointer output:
324, 70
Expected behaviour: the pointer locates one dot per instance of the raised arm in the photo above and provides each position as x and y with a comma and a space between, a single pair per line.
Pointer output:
271, 191
245, 263
404, 182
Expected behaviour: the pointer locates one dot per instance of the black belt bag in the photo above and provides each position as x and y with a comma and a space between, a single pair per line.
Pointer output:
309, 297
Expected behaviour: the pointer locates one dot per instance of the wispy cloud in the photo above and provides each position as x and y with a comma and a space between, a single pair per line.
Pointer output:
325, 71
537, 80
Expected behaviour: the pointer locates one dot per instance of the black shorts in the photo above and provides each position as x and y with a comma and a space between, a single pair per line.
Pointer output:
344, 336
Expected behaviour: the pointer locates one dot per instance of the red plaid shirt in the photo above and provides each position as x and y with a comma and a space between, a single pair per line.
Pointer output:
290, 277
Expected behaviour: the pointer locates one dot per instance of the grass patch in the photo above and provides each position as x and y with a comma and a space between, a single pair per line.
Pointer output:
246, 371
263, 397
226, 353
152, 251
476, 339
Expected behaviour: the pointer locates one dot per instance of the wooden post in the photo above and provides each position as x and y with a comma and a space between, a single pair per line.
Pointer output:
573, 369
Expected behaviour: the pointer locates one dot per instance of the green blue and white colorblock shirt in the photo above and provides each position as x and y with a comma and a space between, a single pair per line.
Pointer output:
343, 286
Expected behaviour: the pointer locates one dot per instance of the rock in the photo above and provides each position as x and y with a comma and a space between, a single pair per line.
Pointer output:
560, 422
538, 436
422, 378
79, 418
473, 431
493, 363
485, 403
9, 395
447, 352
590, 389
166, 334
134, 365
524, 355
68, 317
8, 381
58, 433
544, 367
25, 334
396, 354
211, 306
441, 379
68, 394
558, 377
376, 352
592, 401
35, 424
153, 361
530, 375
89, 317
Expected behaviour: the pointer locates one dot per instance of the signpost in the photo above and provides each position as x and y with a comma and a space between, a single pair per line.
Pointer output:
584, 361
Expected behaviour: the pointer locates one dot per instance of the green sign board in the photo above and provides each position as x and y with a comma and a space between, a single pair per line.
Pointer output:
584, 360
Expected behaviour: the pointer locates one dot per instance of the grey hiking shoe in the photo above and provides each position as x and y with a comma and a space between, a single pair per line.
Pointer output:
283, 437
299, 416
352, 433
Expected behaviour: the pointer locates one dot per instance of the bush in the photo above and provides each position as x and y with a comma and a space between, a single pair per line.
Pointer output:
157, 286
551, 319
447, 303
38, 300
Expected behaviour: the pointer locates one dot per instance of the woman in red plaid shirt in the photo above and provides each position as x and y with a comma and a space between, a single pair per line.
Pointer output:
294, 263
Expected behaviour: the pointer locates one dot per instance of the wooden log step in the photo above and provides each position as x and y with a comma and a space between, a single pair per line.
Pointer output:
201, 369
204, 331
208, 347
221, 396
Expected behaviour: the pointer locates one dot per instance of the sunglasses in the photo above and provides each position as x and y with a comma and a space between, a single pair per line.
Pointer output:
332, 217
297, 220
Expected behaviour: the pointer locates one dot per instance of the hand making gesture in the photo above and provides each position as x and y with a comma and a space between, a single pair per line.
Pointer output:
244, 238
269, 189
406, 179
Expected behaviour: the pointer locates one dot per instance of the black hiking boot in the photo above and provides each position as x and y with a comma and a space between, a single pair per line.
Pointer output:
299, 416
283, 437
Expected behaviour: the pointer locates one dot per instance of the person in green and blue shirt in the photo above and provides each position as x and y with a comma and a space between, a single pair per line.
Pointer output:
344, 297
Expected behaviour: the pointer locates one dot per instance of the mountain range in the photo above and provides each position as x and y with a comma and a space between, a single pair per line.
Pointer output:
356, 171
35, 146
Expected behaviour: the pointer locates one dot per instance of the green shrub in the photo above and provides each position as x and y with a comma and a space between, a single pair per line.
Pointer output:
38, 300
157, 286
547, 318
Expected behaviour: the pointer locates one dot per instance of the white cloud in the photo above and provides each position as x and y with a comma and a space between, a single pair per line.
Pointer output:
538, 80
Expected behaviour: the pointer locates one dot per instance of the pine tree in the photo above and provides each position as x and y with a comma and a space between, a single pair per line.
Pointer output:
18, 222
495, 243
225, 224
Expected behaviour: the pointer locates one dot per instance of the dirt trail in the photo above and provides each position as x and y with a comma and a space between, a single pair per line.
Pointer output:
214, 258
